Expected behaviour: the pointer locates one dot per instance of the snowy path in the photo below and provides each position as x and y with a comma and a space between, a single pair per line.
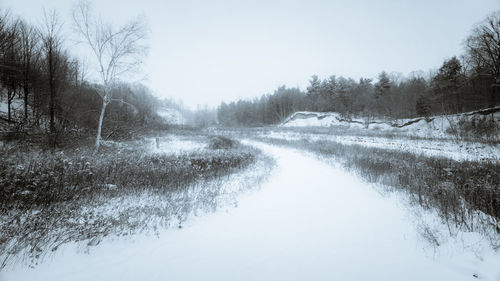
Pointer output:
309, 222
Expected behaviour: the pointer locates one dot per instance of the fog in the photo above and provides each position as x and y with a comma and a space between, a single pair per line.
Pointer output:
205, 52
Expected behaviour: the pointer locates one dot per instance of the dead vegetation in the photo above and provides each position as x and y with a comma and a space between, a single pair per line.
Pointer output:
465, 194
48, 198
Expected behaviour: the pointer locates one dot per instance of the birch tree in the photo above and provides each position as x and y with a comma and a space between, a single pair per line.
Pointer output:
116, 51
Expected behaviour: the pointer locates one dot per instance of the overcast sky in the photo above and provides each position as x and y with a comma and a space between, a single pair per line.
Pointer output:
205, 52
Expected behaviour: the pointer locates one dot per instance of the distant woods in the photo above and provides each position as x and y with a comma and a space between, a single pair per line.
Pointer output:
48, 92
45, 89
465, 83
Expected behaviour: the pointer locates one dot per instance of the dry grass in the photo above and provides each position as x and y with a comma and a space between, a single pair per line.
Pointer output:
462, 192
49, 198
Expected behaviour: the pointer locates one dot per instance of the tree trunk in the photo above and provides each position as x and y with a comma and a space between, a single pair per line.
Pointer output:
10, 97
8, 108
52, 90
99, 125
26, 89
25, 102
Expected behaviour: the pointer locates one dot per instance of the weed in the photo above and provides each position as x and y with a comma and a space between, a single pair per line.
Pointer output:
50, 198
462, 192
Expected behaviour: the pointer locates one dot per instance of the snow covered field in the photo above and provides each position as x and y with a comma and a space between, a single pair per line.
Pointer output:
459, 151
310, 221
173, 144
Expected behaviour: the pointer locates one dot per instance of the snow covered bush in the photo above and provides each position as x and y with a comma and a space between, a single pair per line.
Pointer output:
220, 142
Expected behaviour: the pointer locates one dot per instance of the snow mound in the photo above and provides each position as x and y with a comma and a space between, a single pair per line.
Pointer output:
439, 126
318, 119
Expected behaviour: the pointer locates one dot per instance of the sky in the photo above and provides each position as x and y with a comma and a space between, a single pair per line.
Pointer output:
206, 52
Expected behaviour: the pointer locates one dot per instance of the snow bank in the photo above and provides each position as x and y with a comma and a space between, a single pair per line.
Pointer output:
318, 119
433, 127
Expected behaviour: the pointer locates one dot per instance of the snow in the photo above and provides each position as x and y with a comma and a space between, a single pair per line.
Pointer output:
460, 151
310, 221
176, 145
318, 119
434, 127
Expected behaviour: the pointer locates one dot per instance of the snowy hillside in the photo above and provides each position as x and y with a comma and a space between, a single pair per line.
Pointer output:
434, 126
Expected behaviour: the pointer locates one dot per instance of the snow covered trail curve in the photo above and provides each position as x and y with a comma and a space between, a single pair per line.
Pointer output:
310, 221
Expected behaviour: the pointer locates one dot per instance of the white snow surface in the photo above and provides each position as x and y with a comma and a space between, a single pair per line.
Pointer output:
460, 151
176, 145
318, 119
310, 221
435, 127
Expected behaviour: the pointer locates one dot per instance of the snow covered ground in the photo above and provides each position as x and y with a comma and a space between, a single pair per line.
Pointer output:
459, 151
434, 127
310, 221
173, 144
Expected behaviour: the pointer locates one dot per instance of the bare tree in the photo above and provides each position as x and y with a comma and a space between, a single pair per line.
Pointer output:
29, 56
483, 45
483, 49
51, 44
9, 65
117, 51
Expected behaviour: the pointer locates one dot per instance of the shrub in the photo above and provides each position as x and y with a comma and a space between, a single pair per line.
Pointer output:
478, 128
220, 142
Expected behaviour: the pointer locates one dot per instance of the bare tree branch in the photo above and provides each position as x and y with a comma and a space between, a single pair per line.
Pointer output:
117, 51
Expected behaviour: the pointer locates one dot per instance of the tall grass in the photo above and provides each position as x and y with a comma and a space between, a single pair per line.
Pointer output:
48, 199
465, 194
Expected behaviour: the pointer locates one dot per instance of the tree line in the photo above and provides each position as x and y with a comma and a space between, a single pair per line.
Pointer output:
57, 93
468, 82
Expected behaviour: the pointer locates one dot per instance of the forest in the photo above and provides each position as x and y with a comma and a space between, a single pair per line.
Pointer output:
55, 98
462, 83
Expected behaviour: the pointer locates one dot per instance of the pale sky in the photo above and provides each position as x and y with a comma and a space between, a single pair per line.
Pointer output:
205, 52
